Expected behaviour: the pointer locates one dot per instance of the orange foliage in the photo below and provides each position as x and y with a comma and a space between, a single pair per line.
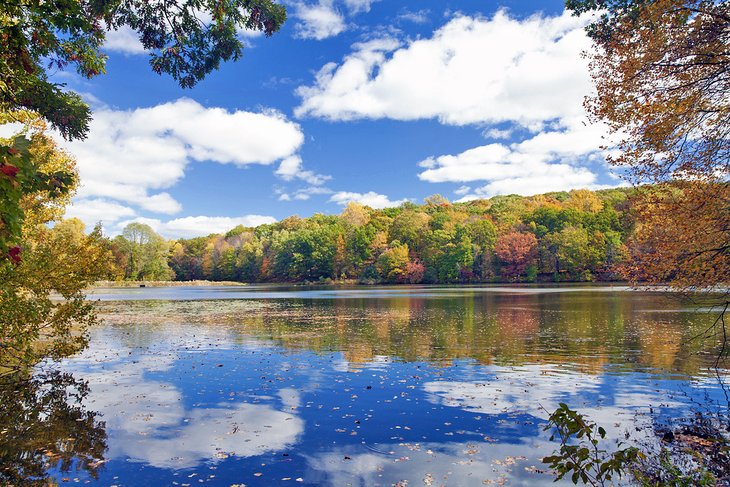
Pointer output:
683, 236
662, 73
517, 251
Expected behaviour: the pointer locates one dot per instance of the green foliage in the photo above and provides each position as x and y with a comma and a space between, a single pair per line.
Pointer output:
517, 239
392, 264
19, 178
581, 454
71, 34
146, 253
34, 324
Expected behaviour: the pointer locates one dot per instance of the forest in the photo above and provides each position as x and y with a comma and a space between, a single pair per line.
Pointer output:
579, 235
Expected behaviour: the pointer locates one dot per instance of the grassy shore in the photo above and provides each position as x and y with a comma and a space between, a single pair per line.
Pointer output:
122, 284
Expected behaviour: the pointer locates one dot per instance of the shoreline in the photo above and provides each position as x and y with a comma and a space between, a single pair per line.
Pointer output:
134, 284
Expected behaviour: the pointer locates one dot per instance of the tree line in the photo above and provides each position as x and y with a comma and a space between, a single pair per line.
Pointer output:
579, 235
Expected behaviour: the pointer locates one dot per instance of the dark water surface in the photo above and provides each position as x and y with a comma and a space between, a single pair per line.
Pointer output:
370, 386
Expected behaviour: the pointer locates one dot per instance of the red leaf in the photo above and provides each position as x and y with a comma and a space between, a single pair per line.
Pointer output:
9, 170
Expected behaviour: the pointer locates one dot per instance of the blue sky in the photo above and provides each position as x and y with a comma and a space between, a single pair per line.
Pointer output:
353, 100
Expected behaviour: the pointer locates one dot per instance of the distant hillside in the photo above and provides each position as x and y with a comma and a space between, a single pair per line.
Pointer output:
579, 235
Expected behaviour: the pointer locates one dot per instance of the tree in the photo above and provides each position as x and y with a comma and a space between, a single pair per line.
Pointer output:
662, 78
393, 263
45, 426
33, 324
661, 73
682, 236
517, 251
355, 214
186, 39
585, 201
575, 252
62, 260
147, 253
35, 177
410, 227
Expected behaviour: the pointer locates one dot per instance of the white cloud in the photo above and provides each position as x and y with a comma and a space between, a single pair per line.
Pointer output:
473, 70
94, 210
548, 161
303, 194
198, 226
418, 17
131, 155
462, 190
358, 6
8, 130
371, 199
124, 40
495, 133
318, 21
291, 168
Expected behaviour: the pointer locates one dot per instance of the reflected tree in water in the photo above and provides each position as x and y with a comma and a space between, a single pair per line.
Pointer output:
44, 427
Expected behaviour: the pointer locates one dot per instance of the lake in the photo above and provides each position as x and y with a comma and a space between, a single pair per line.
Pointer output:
273, 385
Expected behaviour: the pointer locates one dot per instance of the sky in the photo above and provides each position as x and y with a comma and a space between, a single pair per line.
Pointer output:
374, 101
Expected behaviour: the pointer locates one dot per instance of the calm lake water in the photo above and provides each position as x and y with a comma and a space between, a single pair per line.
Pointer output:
368, 386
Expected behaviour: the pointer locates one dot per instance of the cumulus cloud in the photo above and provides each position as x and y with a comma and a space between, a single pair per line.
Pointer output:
291, 168
472, 70
548, 161
371, 199
132, 155
198, 226
124, 40
319, 20
94, 210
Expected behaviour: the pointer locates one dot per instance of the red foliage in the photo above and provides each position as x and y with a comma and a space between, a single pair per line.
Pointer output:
9, 170
414, 272
14, 254
517, 251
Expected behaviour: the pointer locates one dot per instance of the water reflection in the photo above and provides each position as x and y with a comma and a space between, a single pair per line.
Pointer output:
447, 388
585, 329
44, 429
150, 419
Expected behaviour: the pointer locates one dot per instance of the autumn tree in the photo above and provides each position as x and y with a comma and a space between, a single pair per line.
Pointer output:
42, 305
517, 251
662, 78
580, 236
393, 263
186, 39
355, 214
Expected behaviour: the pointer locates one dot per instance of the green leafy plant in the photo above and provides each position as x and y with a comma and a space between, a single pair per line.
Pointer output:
581, 454
19, 178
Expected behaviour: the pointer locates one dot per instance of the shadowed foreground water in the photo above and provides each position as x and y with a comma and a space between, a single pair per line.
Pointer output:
424, 386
